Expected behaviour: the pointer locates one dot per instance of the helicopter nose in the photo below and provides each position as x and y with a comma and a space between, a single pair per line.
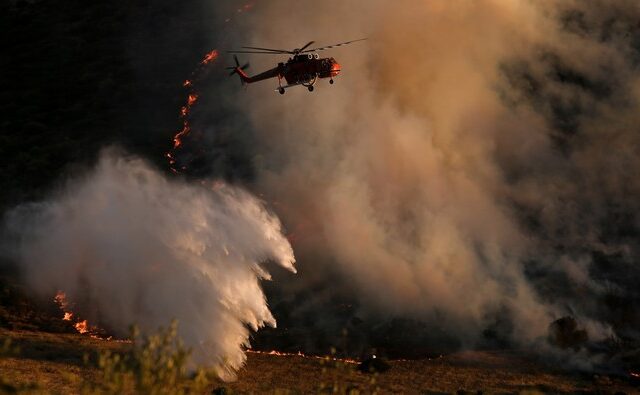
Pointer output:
335, 69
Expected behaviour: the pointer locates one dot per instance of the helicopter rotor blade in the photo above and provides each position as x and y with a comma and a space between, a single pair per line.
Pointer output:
334, 45
269, 49
272, 51
299, 50
245, 66
235, 57
258, 52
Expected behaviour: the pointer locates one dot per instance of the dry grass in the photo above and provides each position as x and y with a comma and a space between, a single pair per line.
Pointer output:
489, 372
52, 362
56, 363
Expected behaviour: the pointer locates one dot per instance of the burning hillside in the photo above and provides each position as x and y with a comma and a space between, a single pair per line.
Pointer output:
468, 182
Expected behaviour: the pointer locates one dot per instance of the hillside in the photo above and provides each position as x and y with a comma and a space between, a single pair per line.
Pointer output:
55, 362
487, 195
76, 77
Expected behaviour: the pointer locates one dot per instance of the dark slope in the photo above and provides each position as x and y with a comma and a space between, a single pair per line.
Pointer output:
76, 76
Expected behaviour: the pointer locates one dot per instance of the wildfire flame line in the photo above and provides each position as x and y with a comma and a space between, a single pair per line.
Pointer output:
300, 354
82, 326
192, 98
185, 111
61, 299
344, 360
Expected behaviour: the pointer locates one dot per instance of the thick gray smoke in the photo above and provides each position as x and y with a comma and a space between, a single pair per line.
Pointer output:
472, 169
473, 164
128, 246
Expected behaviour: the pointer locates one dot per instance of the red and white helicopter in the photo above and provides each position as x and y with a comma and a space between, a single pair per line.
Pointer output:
304, 67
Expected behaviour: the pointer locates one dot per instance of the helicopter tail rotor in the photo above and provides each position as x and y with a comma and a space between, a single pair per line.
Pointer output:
237, 69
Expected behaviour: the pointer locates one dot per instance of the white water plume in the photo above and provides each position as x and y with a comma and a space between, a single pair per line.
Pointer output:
129, 246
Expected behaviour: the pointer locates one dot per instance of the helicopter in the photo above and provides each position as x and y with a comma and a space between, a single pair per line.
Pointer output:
304, 67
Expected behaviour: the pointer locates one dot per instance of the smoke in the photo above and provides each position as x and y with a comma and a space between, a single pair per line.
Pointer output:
129, 246
471, 172
472, 165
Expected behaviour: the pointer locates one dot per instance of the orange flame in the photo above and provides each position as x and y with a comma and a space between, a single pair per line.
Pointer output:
81, 326
185, 110
245, 7
61, 300
302, 355
635, 374
210, 57
177, 139
192, 98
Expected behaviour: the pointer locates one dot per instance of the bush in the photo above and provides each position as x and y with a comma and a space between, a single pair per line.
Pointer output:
157, 364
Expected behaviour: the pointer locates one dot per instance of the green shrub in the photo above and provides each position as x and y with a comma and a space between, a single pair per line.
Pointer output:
156, 365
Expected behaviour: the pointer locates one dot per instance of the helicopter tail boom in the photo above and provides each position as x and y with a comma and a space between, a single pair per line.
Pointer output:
245, 79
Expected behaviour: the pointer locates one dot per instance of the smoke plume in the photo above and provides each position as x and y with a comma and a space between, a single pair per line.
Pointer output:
128, 246
472, 167
469, 176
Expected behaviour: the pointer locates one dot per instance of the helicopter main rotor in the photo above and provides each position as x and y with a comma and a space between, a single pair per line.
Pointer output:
296, 51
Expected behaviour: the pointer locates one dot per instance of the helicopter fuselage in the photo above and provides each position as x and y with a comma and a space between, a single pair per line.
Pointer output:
301, 69
304, 67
